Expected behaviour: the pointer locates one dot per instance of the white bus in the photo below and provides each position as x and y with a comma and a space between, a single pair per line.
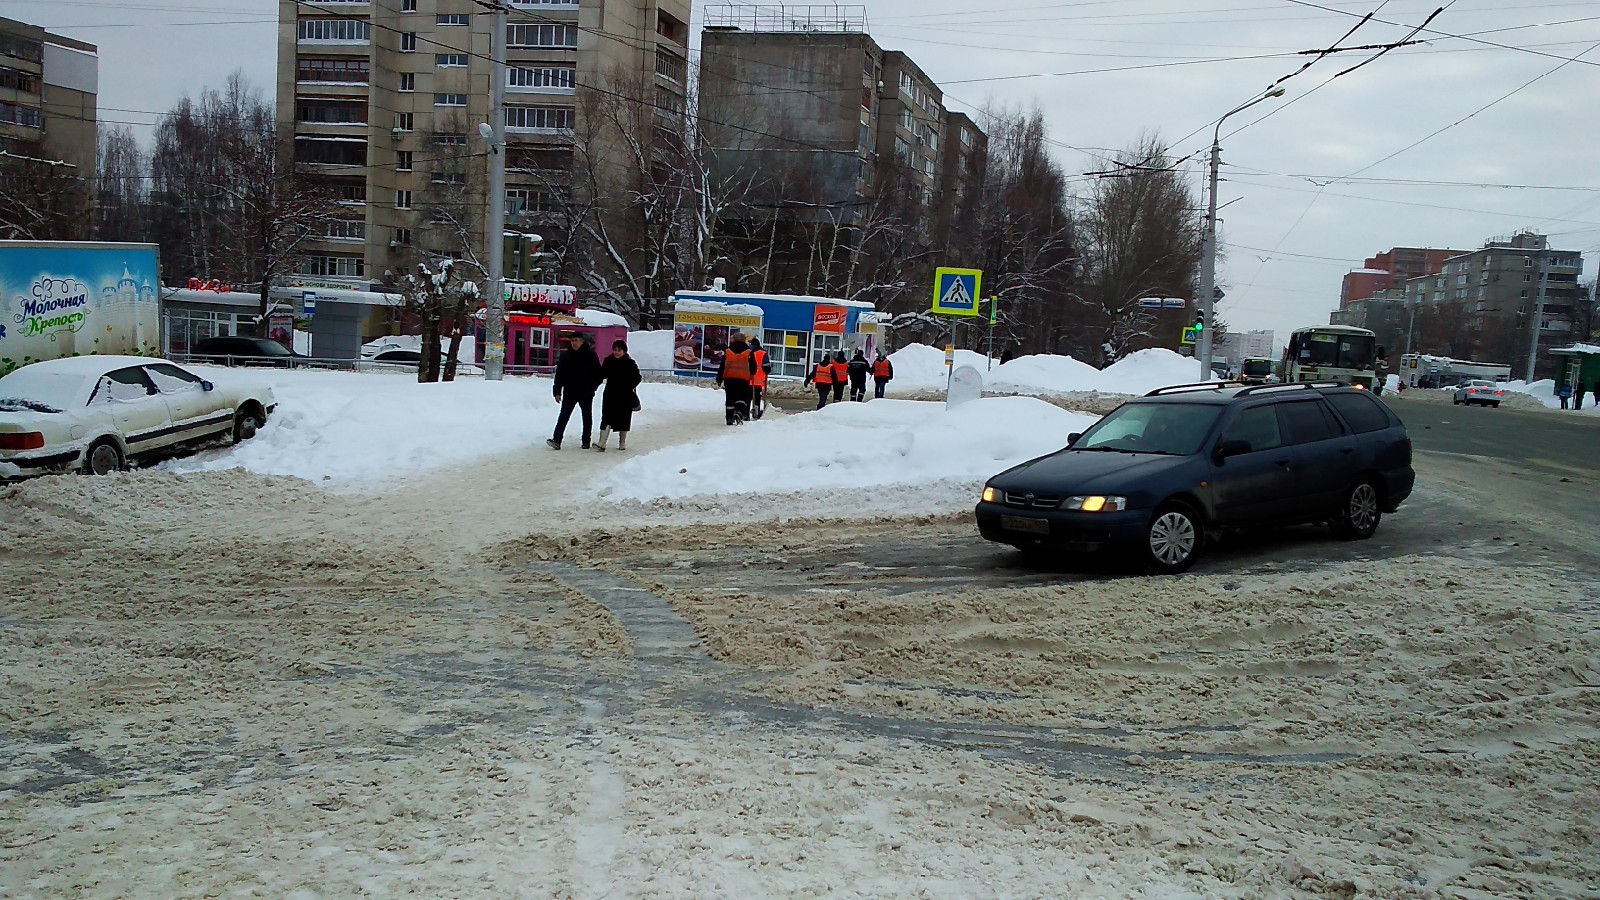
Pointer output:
1332, 353
1442, 371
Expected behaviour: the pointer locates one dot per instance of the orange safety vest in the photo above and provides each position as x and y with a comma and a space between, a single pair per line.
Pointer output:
736, 365
760, 378
880, 369
841, 372
823, 373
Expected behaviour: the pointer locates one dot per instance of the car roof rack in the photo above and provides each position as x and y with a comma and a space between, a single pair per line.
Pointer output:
1196, 386
1291, 386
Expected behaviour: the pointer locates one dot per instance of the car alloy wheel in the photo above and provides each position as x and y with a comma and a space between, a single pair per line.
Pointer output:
1172, 540
245, 427
104, 458
1362, 512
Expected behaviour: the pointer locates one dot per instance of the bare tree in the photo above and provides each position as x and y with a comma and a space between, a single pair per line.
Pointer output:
1140, 236
42, 199
123, 173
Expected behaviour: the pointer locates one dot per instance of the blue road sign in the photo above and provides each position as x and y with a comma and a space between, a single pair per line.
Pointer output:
310, 299
956, 291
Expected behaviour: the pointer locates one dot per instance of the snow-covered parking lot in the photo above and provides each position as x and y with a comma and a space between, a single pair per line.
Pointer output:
395, 645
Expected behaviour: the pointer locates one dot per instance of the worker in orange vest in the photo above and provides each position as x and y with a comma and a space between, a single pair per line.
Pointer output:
734, 376
841, 375
758, 384
822, 376
882, 374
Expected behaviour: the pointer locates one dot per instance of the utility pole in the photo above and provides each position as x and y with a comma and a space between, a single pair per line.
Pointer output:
1537, 320
494, 313
1208, 246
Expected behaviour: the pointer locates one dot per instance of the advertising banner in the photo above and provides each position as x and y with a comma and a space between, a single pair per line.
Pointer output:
699, 338
830, 319
64, 299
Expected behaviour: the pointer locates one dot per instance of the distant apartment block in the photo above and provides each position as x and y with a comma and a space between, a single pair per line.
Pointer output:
48, 90
1391, 269
383, 99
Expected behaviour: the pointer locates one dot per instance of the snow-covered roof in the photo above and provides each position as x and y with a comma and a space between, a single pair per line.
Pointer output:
735, 296
92, 365
599, 318
1369, 272
1577, 349
717, 307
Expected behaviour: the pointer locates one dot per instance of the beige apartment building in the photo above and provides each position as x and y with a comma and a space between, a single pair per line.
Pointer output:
383, 99
48, 90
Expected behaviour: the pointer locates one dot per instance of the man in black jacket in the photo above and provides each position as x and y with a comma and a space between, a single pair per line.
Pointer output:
858, 370
577, 377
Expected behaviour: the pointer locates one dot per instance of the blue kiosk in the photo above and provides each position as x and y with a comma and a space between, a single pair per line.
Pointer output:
793, 329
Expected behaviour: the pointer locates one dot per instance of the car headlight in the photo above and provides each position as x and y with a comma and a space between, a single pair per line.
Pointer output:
1096, 503
990, 495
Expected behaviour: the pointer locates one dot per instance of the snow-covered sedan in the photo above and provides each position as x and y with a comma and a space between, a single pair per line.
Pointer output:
97, 414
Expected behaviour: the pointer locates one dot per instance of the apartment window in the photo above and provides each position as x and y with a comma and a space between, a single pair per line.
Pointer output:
402, 161
908, 121
1523, 294
345, 230
349, 194
864, 137
1527, 262
26, 82
902, 149
867, 93
330, 151
543, 118
449, 178
323, 71
20, 115
331, 112
930, 136
332, 266
408, 5
966, 137
520, 201
21, 48
1460, 280
451, 19
402, 199
1527, 276
408, 42
907, 86
560, 36
563, 78
408, 82
335, 31
669, 65
405, 121
450, 140
450, 60
549, 161
667, 101
449, 99
402, 236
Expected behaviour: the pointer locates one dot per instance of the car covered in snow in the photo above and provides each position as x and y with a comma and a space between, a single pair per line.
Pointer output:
1475, 390
1163, 473
98, 414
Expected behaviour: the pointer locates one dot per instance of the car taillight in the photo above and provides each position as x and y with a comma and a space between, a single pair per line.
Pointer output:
25, 440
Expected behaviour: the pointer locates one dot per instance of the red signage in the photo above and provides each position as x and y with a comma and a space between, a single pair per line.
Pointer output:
830, 319
211, 284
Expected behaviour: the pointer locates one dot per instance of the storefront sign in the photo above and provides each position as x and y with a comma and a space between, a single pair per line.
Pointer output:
830, 319
556, 296
726, 319
209, 284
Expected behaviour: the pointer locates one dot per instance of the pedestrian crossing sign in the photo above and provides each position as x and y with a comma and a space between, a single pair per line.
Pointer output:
956, 291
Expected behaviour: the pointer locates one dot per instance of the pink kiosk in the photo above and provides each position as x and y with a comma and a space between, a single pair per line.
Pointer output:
537, 315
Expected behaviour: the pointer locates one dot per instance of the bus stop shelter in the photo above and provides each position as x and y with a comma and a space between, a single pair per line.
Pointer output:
1578, 364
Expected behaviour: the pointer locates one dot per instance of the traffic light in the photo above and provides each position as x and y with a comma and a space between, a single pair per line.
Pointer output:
1199, 323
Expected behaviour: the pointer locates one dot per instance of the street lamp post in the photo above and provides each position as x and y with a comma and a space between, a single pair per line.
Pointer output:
1208, 247
494, 132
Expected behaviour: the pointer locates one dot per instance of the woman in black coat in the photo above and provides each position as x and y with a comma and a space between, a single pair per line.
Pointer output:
621, 376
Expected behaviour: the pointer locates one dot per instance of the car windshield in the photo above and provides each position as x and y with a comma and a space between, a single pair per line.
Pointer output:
40, 390
1340, 351
1171, 428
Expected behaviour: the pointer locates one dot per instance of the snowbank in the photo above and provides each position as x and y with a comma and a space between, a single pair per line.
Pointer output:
919, 366
364, 427
1544, 391
852, 446
651, 349
599, 318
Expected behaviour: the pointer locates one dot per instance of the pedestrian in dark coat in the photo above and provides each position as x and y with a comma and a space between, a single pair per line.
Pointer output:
1597, 392
577, 377
1577, 395
621, 375
859, 370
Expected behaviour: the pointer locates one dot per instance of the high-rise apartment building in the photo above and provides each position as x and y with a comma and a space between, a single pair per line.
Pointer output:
846, 140
1391, 269
383, 99
48, 105
1481, 303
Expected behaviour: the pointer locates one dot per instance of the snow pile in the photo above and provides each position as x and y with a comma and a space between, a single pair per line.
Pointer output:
599, 318
364, 427
852, 446
919, 366
652, 350
1544, 391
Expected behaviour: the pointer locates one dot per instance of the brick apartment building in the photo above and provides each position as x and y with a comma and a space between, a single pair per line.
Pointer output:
49, 87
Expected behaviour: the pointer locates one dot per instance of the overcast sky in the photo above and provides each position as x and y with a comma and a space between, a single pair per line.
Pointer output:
1296, 220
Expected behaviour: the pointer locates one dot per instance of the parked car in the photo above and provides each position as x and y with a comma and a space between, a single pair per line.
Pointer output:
1163, 473
407, 358
98, 414
1487, 393
242, 351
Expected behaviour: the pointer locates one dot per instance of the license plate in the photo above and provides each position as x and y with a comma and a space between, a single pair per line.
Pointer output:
1022, 523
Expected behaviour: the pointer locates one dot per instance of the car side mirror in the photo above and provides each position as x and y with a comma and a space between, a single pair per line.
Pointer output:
1073, 438
1232, 448
207, 386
